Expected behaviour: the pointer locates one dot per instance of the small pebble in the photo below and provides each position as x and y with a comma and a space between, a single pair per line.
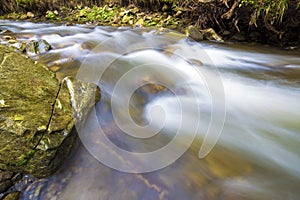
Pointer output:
12, 41
7, 37
30, 15
55, 68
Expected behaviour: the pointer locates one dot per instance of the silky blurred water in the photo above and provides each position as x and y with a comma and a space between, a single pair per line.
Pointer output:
257, 155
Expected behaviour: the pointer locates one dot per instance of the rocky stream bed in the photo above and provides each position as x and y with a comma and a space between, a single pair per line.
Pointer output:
256, 157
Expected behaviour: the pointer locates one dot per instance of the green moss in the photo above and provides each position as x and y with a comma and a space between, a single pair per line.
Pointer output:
35, 136
12, 15
24, 160
96, 13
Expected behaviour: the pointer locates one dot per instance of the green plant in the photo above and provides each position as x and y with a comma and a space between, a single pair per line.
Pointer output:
270, 10
104, 13
51, 15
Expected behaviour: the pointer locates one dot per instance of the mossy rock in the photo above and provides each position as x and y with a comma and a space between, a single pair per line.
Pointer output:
38, 115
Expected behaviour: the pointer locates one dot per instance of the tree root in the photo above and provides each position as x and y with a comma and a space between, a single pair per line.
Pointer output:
229, 14
236, 21
272, 29
225, 2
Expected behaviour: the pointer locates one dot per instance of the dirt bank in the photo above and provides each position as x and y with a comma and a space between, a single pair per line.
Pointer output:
233, 20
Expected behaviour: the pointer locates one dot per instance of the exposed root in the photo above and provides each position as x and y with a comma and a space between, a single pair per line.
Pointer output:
225, 2
236, 21
217, 22
229, 14
253, 18
272, 29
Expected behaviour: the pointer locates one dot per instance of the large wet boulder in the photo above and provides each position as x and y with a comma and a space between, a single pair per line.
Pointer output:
38, 115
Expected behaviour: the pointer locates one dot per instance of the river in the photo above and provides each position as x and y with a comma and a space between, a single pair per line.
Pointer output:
234, 107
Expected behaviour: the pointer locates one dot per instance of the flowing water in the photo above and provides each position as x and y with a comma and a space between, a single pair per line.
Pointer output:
172, 85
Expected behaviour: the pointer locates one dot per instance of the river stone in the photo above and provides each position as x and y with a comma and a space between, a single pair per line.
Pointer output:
194, 33
35, 47
37, 114
211, 35
30, 15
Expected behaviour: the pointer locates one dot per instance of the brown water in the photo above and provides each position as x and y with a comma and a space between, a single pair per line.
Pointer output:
257, 155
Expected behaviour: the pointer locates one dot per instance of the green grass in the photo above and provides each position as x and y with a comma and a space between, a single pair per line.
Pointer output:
24, 3
270, 10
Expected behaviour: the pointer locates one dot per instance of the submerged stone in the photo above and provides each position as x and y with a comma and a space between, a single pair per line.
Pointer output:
37, 114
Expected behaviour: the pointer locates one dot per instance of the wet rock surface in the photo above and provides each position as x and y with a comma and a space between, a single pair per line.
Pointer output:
35, 47
7, 180
37, 116
194, 33
204, 34
28, 47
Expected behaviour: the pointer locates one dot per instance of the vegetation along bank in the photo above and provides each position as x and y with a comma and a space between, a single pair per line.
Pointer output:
274, 22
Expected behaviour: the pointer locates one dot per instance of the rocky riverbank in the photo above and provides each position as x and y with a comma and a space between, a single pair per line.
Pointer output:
232, 20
